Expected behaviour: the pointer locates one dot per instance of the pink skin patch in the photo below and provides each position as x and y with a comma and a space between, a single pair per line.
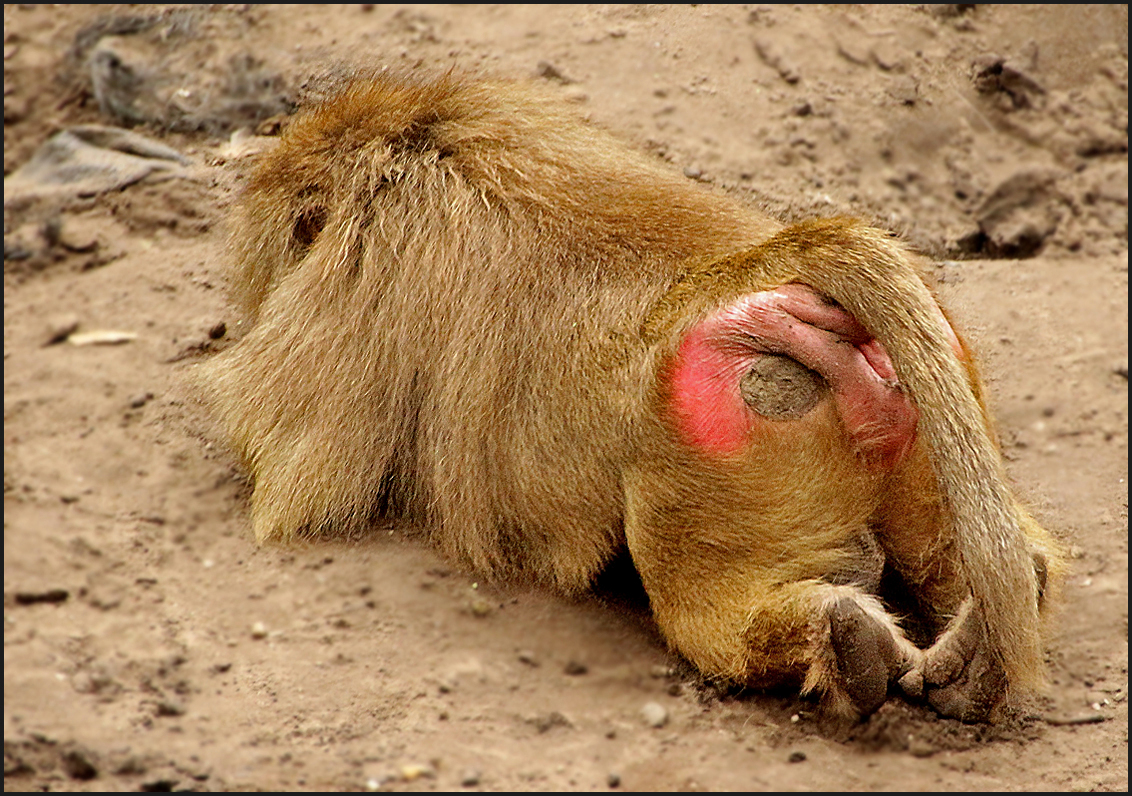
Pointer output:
798, 322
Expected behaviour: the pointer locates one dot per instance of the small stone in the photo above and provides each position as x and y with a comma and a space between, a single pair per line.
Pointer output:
796, 757
83, 683
479, 607
654, 714
259, 630
769, 51
528, 657
198, 772
131, 765
413, 771
575, 668
854, 49
77, 238
550, 721
159, 785
470, 778
575, 94
549, 71
613, 779
59, 328
217, 330
168, 707
91, 682
77, 763
140, 400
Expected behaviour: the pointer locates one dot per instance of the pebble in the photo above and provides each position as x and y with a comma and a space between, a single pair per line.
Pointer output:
470, 778
77, 763
796, 757
59, 328
575, 94
528, 657
91, 682
550, 721
654, 714
412, 771
613, 780
575, 668
77, 238
551, 72
259, 630
168, 707
140, 400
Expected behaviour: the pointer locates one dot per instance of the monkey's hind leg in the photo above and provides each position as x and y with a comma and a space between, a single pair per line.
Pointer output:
762, 570
853, 651
740, 620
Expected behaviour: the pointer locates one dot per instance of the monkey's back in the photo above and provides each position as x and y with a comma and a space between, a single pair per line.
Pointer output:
447, 279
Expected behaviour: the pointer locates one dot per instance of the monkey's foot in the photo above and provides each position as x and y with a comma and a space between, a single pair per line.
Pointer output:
961, 677
865, 652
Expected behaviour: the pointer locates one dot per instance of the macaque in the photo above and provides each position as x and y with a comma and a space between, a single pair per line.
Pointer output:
474, 311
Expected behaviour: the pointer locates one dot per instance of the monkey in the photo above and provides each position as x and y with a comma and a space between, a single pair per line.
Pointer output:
473, 310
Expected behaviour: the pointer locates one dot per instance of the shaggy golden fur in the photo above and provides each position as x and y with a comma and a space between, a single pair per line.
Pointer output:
465, 301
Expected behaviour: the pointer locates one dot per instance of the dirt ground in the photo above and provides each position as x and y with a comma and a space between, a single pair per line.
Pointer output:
150, 644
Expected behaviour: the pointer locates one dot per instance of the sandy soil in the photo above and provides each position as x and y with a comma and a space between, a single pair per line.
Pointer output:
149, 644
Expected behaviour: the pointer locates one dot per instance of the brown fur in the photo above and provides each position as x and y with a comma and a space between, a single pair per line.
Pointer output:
465, 300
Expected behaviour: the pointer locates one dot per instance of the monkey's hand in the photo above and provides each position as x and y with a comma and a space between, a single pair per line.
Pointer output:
961, 677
